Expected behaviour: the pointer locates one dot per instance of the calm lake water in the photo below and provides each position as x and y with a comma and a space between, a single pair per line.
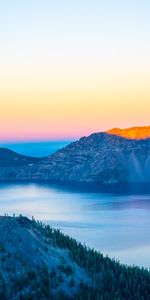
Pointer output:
116, 224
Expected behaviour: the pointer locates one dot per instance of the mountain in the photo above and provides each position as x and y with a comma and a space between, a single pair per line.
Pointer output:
12, 164
40, 262
101, 157
9, 158
137, 133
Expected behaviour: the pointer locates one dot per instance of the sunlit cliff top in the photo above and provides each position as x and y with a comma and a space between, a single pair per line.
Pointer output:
132, 133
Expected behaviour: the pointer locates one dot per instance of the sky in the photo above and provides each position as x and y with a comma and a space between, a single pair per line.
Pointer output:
71, 68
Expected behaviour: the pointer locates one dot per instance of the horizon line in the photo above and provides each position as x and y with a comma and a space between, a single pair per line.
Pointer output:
64, 139
21, 141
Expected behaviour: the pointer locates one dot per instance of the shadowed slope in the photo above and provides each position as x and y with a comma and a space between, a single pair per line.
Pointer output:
9, 158
39, 262
100, 157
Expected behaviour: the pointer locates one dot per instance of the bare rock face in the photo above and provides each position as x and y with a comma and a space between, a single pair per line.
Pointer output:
100, 157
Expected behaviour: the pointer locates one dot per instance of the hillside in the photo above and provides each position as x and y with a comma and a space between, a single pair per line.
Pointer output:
9, 158
39, 262
101, 157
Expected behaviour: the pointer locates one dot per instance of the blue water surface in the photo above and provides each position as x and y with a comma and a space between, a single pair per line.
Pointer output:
37, 149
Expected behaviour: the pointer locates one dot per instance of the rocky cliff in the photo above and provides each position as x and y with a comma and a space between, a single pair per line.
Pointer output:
100, 157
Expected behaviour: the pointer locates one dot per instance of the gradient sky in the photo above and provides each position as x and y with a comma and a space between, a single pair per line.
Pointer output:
70, 68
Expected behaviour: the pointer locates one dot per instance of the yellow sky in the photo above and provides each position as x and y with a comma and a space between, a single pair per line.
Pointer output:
68, 70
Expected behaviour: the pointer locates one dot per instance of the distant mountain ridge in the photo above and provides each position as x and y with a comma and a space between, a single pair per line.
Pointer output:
101, 157
9, 158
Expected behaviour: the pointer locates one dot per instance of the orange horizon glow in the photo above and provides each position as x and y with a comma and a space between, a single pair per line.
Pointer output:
69, 119
69, 115
71, 69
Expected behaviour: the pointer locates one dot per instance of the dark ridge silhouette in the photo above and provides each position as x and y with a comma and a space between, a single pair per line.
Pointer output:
9, 158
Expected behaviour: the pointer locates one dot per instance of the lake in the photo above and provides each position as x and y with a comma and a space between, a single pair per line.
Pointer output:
117, 224
37, 149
